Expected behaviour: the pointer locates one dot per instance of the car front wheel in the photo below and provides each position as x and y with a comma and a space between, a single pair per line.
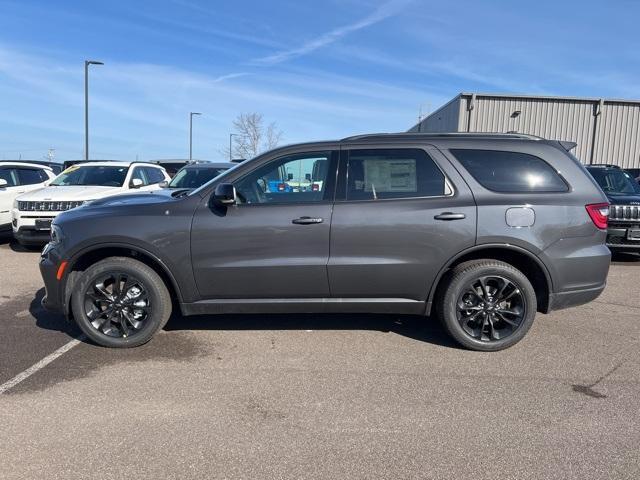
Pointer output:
120, 302
488, 305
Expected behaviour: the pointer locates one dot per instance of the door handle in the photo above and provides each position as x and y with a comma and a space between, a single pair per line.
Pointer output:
450, 216
306, 220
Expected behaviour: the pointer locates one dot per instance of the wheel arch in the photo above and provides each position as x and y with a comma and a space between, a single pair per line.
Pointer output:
95, 253
519, 257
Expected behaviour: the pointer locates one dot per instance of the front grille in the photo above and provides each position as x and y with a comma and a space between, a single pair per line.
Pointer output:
630, 213
47, 206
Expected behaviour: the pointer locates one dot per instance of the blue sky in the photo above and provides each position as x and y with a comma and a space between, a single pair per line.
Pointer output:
323, 69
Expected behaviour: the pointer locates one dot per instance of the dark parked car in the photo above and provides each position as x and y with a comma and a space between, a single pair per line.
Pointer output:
623, 193
197, 174
481, 230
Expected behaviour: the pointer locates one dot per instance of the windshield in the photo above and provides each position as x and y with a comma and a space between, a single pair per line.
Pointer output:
103, 176
614, 181
204, 185
194, 177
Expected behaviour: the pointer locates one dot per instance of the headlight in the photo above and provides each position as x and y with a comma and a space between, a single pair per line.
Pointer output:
56, 234
15, 203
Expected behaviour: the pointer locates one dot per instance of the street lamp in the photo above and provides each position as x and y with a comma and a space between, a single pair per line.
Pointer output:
191, 114
86, 105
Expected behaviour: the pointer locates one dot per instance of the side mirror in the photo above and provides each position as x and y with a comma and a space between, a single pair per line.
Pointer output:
3, 183
136, 183
224, 194
164, 184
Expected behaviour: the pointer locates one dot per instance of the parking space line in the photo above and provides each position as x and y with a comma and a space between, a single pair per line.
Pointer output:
22, 376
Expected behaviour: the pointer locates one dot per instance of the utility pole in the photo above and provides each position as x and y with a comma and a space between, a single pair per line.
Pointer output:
86, 105
191, 114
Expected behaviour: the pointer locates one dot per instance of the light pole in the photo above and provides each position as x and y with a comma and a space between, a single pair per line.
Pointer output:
86, 105
191, 114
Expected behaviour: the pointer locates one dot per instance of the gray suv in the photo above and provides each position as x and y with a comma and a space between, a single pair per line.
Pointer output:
480, 230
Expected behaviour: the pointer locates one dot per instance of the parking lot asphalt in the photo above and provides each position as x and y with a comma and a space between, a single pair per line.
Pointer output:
321, 396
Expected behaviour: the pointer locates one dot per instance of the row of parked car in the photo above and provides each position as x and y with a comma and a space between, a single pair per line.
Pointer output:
33, 194
482, 230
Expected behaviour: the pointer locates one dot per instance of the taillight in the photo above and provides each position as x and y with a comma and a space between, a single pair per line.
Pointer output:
599, 213
282, 187
315, 187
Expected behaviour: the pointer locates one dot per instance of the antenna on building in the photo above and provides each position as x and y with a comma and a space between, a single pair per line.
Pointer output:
422, 116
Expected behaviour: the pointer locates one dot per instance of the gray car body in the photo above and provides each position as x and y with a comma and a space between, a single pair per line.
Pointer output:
366, 256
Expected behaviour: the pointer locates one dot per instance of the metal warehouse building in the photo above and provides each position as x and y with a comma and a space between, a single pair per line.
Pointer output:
607, 131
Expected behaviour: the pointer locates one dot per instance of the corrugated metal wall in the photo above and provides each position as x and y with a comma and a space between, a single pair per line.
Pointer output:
618, 135
617, 127
445, 119
554, 119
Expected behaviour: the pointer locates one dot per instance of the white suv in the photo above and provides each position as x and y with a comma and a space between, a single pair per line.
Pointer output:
17, 178
33, 212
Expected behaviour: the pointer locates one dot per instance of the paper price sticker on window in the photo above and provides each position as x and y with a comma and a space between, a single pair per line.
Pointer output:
390, 175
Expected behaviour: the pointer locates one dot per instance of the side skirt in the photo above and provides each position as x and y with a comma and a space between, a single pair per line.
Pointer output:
305, 305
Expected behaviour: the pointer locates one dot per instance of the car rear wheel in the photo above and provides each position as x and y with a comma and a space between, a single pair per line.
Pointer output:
488, 305
120, 302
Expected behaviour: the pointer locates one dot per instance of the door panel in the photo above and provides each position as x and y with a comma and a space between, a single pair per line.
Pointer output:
255, 251
394, 247
275, 242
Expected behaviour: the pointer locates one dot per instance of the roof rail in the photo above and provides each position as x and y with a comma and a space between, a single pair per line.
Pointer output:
442, 135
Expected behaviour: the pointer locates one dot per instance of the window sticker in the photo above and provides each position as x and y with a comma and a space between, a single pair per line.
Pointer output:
396, 175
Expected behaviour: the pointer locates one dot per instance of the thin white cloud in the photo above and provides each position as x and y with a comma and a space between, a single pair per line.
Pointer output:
384, 11
229, 76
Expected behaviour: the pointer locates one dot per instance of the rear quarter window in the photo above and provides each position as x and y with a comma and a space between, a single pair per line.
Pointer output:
510, 172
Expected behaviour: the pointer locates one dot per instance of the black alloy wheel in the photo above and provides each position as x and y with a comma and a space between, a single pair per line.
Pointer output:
117, 304
120, 302
486, 304
491, 308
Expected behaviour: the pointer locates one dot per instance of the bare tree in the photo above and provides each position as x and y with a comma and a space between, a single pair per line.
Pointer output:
251, 137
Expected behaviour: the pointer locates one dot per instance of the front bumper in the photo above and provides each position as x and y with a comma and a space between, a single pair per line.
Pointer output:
54, 299
32, 236
618, 237
26, 229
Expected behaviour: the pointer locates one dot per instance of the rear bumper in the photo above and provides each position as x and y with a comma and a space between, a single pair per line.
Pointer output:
558, 301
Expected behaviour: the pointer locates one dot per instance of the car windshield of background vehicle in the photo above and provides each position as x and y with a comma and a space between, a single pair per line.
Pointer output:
510, 172
194, 177
614, 181
99, 176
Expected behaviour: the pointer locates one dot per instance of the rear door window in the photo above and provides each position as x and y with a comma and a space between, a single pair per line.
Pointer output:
378, 174
510, 172
31, 176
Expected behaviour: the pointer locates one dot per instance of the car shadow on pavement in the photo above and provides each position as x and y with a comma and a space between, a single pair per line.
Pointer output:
51, 321
420, 328
6, 238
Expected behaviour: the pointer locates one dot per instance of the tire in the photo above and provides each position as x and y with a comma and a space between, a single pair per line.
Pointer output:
479, 321
125, 316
